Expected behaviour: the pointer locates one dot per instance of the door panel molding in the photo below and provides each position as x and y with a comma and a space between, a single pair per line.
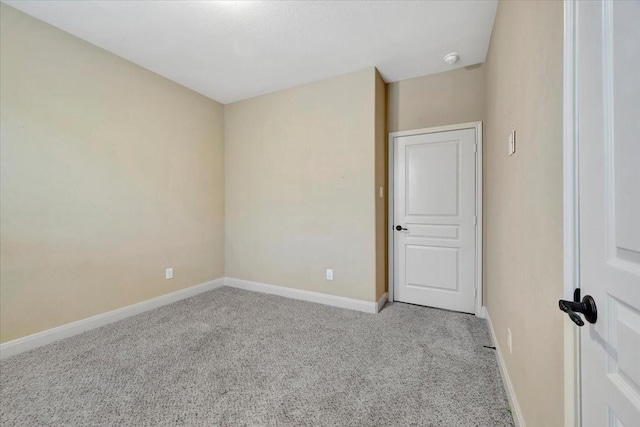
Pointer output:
477, 126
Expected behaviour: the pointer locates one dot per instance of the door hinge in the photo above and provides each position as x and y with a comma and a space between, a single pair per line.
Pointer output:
475, 292
475, 220
475, 147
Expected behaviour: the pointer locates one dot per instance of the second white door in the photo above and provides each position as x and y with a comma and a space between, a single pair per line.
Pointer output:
435, 219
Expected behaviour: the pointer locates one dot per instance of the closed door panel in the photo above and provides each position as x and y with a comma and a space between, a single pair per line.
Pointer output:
434, 206
608, 134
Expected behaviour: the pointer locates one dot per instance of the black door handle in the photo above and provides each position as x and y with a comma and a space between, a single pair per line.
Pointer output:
587, 307
400, 228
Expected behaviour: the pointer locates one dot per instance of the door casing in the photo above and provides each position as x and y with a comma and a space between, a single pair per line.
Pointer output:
572, 401
477, 126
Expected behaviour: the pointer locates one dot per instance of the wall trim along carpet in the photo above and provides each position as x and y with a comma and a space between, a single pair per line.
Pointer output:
39, 339
333, 300
49, 336
508, 386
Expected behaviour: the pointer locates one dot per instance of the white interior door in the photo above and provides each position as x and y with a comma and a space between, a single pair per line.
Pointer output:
435, 219
608, 117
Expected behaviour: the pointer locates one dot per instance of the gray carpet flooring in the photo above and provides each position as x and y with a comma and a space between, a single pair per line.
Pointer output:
236, 358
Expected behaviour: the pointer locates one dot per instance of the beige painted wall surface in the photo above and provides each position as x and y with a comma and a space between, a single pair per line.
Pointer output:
110, 173
381, 181
451, 97
300, 187
523, 202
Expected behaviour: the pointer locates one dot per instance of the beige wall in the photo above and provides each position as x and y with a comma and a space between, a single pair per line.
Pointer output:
300, 187
523, 202
110, 174
447, 98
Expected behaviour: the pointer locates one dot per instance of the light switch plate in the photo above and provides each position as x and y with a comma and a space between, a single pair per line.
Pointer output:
329, 274
168, 274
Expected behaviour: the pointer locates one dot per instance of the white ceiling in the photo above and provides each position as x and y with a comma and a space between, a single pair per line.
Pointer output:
231, 51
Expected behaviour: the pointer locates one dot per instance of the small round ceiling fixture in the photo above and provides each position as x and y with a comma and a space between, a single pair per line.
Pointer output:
451, 58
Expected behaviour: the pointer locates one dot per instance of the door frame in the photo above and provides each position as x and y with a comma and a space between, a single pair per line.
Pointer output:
571, 218
477, 126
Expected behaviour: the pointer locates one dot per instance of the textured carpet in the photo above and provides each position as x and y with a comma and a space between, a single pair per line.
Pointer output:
236, 358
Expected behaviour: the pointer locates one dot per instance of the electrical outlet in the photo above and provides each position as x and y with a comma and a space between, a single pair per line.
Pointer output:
509, 341
168, 274
512, 143
329, 274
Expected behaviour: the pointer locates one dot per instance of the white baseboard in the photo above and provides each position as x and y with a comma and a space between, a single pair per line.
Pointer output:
511, 395
382, 301
317, 297
39, 339
483, 312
